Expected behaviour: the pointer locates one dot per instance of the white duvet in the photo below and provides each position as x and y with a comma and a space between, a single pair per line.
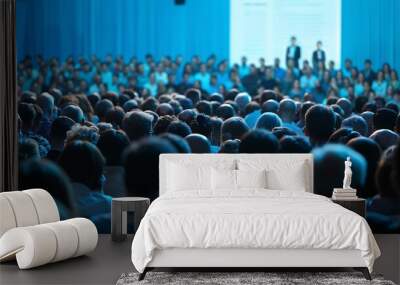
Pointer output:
250, 219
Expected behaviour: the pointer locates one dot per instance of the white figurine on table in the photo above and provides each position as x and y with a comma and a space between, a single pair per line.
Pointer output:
347, 174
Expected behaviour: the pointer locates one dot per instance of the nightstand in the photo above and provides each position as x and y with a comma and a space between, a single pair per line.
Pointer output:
356, 205
119, 209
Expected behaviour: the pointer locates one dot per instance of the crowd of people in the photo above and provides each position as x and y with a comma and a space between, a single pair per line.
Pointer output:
93, 129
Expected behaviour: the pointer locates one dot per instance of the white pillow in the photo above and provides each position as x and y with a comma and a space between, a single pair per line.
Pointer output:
223, 179
281, 173
251, 178
290, 179
186, 178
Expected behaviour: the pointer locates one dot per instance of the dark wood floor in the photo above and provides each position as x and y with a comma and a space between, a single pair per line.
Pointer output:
103, 266
110, 259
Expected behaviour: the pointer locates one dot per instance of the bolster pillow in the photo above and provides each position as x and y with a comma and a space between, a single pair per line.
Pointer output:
40, 244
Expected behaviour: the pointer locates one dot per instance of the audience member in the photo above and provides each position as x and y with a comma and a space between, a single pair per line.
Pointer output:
173, 106
259, 141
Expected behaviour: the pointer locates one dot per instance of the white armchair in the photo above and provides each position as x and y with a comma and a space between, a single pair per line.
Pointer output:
31, 230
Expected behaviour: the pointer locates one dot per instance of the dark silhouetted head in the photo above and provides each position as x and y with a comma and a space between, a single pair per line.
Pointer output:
259, 141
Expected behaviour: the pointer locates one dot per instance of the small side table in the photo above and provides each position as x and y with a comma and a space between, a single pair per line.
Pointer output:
356, 205
119, 209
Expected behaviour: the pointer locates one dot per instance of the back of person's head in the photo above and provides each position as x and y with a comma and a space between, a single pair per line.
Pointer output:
201, 124
287, 110
59, 128
84, 164
303, 110
214, 107
337, 109
233, 128
73, 112
319, 124
242, 99
46, 103
187, 115
329, 168
154, 116
186, 103
165, 109
371, 151
122, 99
102, 107
259, 141
28, 149
270, 105
230, 146
115, 116
346, 106
162, 124
149, 103
140, 162
194, 95
368, 116
130, 105
294, 144
393, 106
280, 132
175, 106
385, 172
359, 103
385, 118
176, 141
27, 114
267, 95
112, 96
217, 97
385, 138
47, 175
251, 107
137, 124
204, 107
83, 133
225, 111
357, 123
231, 94
112, 143
343, 135
268, 121
93, 99
57, 94
179, 128
198, 143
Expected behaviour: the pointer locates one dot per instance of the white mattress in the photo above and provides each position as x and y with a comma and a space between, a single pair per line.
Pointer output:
254, 220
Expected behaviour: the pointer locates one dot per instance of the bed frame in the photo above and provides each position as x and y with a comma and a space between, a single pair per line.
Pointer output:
245, 259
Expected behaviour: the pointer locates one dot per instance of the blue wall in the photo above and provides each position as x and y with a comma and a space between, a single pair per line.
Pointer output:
370, 28
124, 27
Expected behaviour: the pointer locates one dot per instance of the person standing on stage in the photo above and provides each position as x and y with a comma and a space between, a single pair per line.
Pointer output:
293, 52
318, 55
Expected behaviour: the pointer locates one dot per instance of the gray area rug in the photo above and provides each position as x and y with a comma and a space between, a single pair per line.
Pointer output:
228, 278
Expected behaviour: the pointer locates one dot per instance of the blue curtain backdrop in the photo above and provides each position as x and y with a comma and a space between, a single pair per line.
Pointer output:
123, 27
370, 28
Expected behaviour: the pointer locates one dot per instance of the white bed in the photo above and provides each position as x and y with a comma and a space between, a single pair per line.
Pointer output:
204, 221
